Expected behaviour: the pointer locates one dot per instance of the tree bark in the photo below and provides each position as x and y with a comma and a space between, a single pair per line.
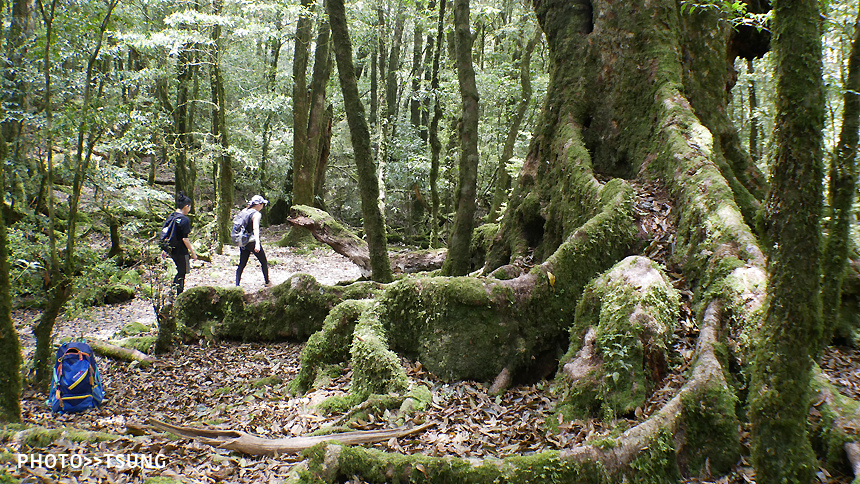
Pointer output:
374, 224
458, 262
791, 330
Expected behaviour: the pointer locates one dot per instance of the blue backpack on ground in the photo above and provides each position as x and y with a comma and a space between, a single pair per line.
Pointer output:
76, 384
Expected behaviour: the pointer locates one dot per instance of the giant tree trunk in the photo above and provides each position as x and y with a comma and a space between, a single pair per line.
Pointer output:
374, 226
458, 262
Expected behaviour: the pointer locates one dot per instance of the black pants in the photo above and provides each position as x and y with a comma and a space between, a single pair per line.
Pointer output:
183, 264
244, 254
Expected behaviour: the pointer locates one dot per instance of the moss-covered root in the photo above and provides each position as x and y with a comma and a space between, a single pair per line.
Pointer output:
681, 436
35, 436
329, 345
294, 309
334, 463
833, 418
375, 368
619, 341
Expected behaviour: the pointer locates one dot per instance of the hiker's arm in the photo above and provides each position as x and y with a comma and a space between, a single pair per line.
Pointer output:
190, 248
257, 217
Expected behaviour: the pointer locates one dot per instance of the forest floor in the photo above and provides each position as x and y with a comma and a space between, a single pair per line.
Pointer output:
243, 387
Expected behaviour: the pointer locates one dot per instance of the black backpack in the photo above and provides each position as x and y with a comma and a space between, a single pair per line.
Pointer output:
239, 234
168, 239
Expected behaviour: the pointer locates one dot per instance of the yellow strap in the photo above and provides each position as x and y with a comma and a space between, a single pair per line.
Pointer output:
73, 385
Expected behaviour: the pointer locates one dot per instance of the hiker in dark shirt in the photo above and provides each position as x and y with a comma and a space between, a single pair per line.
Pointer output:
253, 219
183, 252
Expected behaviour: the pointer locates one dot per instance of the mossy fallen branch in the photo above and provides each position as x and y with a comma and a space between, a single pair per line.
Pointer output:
332, 233
115, 352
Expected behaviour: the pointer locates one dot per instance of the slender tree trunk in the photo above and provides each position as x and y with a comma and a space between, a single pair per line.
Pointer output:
391, 104
303, 184
180, 123
317, 122
324, 152
10, 347
428, 79
753, 106
219, 132
435, 144
374, 87
843, 177
791, 331
374, 225
458, 262
503, 179
417, 71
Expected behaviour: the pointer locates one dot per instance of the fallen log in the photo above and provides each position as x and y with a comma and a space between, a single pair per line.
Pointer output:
115, 352
253, 445
329, 231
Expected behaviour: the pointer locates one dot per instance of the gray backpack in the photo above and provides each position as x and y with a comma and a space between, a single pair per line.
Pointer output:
240, 235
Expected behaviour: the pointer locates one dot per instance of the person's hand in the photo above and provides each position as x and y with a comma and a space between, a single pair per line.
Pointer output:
257, 246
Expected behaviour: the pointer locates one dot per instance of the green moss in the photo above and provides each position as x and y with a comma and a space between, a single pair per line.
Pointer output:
656, 463
375, 368
134, 328
35, 436
711, 429
340, 403
268, 381
372, 465
140, 343
633, 309
292, 310
330, 344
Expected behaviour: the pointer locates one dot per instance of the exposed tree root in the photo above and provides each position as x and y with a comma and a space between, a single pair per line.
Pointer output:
253, 445
589, 462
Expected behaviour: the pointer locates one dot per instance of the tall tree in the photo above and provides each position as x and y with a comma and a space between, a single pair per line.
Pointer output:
435, 144
374, 225
303, 185
10, 347
224, 161
458, 261
319, 120
791, 330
